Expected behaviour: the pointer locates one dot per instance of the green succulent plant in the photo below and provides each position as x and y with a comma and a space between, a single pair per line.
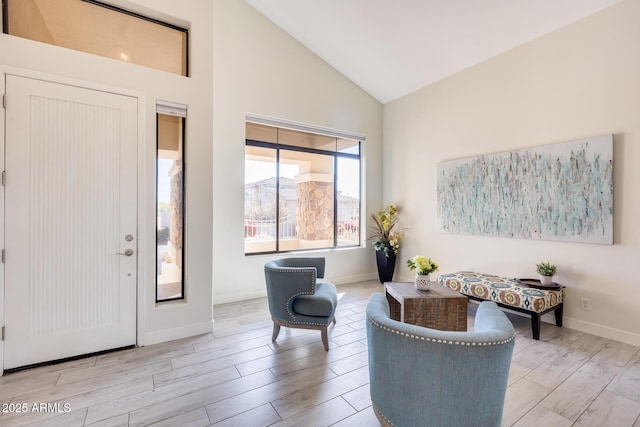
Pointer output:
546, 269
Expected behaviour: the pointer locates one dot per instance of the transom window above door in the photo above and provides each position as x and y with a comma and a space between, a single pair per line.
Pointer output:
102, 29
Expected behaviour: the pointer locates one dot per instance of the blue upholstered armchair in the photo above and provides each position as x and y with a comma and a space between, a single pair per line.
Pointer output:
426, 377
297, 299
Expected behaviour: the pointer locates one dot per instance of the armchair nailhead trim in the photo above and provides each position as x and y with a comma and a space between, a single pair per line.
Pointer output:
306, 323
382, 415
291, 298
313, 272
441, 341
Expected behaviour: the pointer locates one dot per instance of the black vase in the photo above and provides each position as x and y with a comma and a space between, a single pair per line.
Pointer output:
386, 265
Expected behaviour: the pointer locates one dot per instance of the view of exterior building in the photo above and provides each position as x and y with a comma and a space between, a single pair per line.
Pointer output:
260, 213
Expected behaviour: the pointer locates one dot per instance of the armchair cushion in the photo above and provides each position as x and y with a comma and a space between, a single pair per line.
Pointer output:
322, 303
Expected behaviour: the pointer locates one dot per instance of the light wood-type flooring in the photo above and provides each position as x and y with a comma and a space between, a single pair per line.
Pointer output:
237, 377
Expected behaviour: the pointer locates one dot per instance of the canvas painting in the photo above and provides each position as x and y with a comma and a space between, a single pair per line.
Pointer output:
560, 191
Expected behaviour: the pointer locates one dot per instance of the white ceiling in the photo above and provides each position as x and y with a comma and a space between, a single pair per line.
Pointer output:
393, 47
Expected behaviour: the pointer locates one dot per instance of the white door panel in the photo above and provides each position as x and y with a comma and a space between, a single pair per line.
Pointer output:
70, 200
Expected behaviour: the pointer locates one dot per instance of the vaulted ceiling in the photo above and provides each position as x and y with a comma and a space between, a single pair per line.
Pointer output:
393, 47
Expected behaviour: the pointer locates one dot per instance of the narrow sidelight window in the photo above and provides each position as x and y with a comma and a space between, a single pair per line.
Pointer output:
170, 192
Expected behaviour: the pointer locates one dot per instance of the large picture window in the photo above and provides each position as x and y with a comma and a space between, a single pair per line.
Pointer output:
302, 189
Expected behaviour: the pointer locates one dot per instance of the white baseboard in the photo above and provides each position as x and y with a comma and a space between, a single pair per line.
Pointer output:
263, 293
602, 331
239, 297
589, 328
581, 326
165, 335
353, 279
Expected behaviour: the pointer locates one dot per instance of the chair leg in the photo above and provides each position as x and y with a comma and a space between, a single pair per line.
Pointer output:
276, 331
325, 340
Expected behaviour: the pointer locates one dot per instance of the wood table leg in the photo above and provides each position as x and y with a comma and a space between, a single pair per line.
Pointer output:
535, 325
558, 313
395, 308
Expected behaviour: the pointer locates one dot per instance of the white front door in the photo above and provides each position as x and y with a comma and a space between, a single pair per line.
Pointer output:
70, 221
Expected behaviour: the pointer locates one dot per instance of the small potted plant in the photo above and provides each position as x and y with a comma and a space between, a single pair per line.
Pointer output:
423, 266
546, 271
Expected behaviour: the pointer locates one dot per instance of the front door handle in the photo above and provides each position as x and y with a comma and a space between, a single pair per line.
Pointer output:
128, 252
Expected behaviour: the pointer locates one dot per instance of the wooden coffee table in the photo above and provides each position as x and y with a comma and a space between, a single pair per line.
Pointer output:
438, 308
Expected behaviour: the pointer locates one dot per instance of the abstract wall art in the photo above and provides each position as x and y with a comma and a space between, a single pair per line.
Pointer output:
560, 191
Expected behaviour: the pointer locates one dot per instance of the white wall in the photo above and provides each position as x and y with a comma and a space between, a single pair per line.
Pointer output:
260, 69
580, 81
171, 320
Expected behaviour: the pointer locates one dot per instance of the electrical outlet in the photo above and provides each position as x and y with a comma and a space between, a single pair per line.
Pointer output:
585, 304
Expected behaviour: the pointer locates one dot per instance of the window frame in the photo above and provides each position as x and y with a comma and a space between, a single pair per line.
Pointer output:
185, 31
336, 155
176, 110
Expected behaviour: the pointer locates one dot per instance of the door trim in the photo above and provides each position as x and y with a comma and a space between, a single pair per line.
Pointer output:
142, 223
